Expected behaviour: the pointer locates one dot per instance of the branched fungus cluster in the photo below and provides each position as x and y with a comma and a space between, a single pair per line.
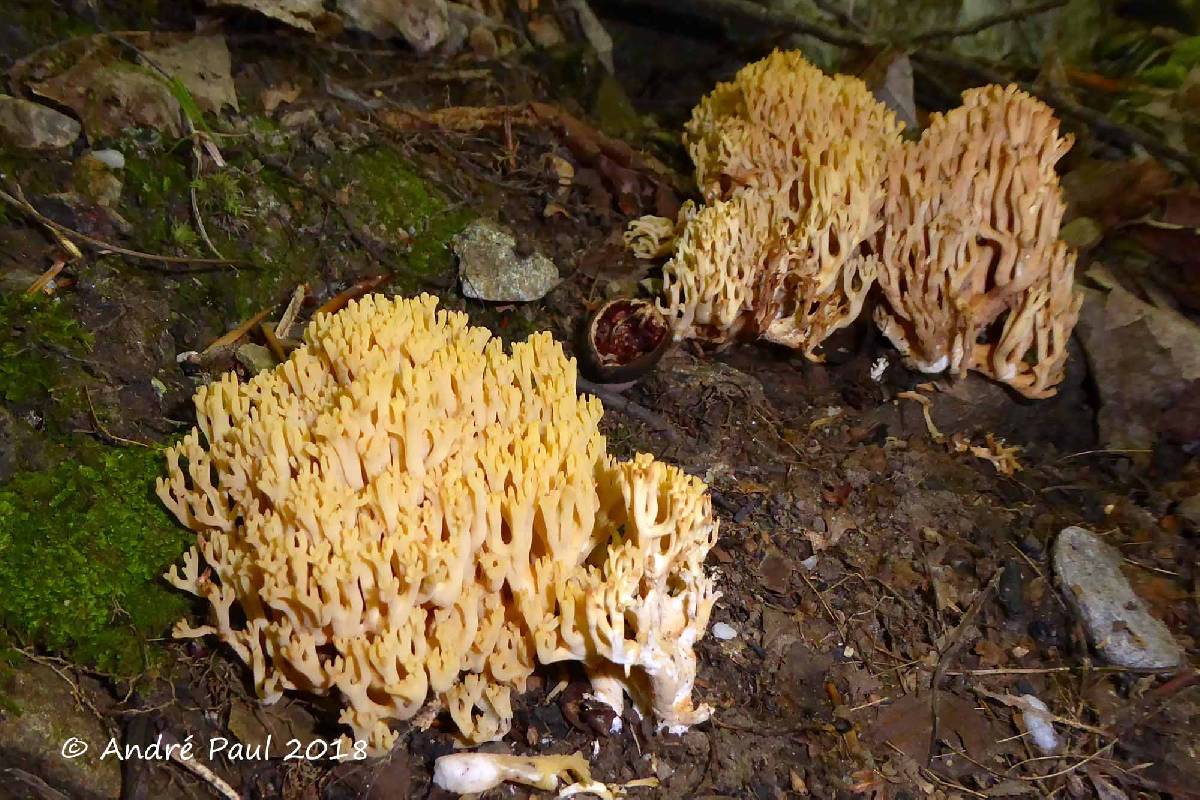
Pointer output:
404, 512
811, 197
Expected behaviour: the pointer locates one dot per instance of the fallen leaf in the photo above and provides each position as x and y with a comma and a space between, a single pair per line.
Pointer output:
553, 209
990, 654
274, 96
97, 79
1114, 192
201, 64
424, 24
306, 15
890, 78
907, 723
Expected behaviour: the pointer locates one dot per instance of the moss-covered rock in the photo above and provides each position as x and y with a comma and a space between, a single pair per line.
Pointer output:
83, 546
387, 196
35, 332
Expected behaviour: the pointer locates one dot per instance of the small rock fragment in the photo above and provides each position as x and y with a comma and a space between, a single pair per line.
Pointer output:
43, 721
491, 269
306, 118
33, 126
255, 358
114, 159
724, 632
1117, 621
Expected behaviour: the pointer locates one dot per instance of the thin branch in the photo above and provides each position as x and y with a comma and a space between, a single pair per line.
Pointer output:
616, 402
951, 652
192, 135
791, 22
27, 208
989, 21
745, 11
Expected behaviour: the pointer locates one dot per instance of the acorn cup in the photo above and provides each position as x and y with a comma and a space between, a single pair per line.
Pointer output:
622, 340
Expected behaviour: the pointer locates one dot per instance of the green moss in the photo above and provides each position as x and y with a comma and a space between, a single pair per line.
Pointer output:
242, 217
83, 546
32, 329
392, 201
614, 112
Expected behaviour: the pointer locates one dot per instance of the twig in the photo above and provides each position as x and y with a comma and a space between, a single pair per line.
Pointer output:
13, 776
951, 652
1120, 451
1064, 770
351, 224
44, 279
1052, 670
192, 135
215, 782
777, 20
276, 347
616, 402
105, 432
27, 208
450, 75
768, 731
283, 329
237, 333
988, 21
212, 248
825, 604
352, 292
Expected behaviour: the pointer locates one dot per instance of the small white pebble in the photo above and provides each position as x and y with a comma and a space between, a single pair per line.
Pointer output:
113, 159
809, 563
1037, 721
724, 632
878, 368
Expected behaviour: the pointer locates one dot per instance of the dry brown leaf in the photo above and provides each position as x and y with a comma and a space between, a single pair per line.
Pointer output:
201, 63
307, 15
424, 24
274, 96
907, 723
96, 78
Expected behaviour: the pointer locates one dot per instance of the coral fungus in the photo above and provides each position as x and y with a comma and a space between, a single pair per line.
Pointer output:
972, 271
404, 510
791, 165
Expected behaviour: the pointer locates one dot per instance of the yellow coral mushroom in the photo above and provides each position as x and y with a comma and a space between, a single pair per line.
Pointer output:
971, 269
791, 164
403, 511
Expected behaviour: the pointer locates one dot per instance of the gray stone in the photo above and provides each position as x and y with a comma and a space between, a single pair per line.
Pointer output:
255, 358
39, 715
491, 269
33, 126
1117, 621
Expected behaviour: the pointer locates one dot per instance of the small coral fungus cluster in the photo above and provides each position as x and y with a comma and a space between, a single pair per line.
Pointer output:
811, 197
404, 512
